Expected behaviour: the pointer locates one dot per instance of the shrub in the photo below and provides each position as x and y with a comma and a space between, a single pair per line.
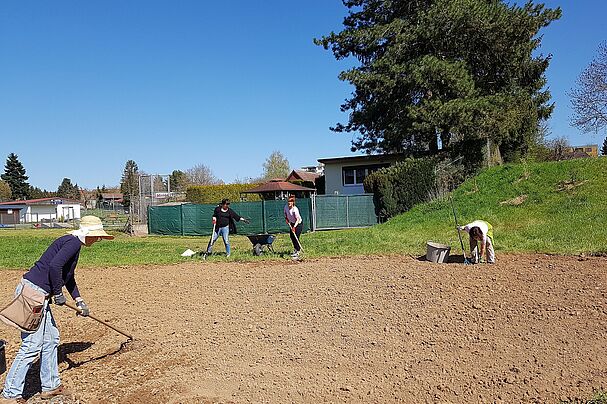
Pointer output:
398, 187
215, 193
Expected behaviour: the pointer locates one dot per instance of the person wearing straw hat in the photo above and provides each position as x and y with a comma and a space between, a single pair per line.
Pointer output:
50, 273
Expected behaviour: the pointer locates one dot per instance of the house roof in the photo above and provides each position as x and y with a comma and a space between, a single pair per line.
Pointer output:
362, 158
277, 186
303, 175
111, 195
584, 145
15, 207
42, 201
578, 154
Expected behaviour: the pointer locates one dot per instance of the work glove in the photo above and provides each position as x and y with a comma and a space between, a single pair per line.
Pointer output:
59, 299
247, 221
214, 220
84, 309
460, 228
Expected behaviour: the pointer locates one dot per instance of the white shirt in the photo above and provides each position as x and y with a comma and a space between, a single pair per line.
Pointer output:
481, 225
293, 215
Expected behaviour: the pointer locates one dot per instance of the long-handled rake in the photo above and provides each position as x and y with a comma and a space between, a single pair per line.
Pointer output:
466, 260
77, 310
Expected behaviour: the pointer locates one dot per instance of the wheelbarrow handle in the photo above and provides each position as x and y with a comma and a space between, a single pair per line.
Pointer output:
77, 310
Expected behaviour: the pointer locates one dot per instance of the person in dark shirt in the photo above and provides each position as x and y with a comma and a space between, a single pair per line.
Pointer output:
224, 221
50, 273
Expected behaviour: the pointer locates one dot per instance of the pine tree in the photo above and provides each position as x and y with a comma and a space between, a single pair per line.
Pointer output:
129, 185
14, 175
455, 73
604, 149
68, 190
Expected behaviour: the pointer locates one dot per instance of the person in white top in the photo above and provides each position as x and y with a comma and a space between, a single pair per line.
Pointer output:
293, 219
480, 232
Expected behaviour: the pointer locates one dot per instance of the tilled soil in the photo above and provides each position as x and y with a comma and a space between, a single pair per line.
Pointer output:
369, 329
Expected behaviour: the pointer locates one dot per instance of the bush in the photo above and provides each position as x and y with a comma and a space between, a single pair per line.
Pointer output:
213, 194
399, 187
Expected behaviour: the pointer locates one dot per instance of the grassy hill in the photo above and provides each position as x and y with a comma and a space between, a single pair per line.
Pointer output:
553, 207
556, 207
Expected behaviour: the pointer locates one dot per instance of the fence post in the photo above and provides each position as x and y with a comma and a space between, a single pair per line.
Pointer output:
313, 214
263, 216
182, 227
347, 211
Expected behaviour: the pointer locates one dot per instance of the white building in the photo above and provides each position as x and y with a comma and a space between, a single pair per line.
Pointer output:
46, 210
345, 175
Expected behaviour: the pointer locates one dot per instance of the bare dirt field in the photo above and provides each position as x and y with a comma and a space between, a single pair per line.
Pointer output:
531, 328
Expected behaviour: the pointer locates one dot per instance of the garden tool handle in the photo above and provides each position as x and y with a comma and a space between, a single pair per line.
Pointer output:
76, 309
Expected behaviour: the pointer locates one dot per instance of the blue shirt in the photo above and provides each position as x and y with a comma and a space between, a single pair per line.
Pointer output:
56, 266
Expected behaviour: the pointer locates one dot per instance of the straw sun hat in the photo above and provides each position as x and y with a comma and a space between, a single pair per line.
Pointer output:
91, 226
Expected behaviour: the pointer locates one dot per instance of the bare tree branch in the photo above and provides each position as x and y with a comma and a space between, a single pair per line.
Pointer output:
589, 98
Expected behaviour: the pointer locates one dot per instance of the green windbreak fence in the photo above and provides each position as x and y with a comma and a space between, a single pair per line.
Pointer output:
320, 212
195, 219
344, 211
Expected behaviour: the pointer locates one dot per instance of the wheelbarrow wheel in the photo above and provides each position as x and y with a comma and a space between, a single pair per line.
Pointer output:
257, 250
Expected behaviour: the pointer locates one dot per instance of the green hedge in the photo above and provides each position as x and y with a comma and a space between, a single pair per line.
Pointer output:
213, 194
397, 188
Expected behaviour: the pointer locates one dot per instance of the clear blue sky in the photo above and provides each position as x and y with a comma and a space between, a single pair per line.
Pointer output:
85, 86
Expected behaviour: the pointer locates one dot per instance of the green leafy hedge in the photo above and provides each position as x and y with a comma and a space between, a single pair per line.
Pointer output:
215, 193
398, 187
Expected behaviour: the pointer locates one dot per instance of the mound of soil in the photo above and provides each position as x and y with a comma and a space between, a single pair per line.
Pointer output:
369, 329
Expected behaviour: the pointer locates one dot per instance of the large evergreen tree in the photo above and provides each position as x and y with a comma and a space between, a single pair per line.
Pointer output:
37, 193
14, 175
179, 181
604, 148
129, 185
450, 72
68, 190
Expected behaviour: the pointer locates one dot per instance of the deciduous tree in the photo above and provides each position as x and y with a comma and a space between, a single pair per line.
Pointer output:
443, 72
5, 192
589, 98
276, 166
14, 175
201, 174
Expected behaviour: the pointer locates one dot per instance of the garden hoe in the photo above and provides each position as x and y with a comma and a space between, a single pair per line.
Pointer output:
466, 261
130, 337
206, 252
297, 239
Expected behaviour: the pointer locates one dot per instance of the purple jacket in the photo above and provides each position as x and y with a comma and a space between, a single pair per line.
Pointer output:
56, 266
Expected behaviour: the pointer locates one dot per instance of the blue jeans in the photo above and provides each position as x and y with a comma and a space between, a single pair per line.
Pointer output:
45, 342
225, 235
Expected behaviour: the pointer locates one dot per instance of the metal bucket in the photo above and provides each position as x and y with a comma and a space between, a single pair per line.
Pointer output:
2, 357
436, 252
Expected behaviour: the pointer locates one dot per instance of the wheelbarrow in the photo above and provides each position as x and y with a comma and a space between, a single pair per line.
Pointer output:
260, 241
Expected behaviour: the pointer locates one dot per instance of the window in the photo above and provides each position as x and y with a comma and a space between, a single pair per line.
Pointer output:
349, 178
588, 149
356, 175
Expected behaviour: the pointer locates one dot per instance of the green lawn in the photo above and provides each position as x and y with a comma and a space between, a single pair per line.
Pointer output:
565, 212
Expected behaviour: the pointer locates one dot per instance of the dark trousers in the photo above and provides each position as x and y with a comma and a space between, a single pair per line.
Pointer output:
298, 230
